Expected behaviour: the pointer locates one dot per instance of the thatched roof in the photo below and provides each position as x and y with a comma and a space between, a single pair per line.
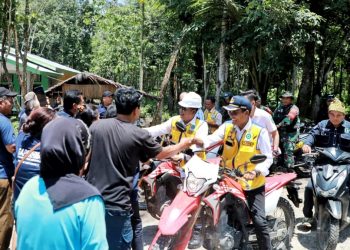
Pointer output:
91, 85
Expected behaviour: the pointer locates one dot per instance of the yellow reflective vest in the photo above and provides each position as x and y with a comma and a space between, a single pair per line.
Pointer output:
235, 153
209, 116
191, 130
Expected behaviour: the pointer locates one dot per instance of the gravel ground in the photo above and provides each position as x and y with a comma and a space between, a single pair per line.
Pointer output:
301, 240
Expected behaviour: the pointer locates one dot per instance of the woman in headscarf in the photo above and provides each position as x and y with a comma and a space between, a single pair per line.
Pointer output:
27, 155
59, 209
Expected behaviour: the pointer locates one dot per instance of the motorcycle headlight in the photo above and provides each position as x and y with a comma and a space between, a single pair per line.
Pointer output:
193, 184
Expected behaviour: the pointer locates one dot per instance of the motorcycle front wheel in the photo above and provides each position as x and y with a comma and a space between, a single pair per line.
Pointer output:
283, 226
327, 232
165, 242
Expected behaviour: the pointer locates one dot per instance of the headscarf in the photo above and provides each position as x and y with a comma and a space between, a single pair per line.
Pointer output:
64, 145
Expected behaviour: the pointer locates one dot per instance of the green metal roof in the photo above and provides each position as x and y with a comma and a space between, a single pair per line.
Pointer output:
40, 65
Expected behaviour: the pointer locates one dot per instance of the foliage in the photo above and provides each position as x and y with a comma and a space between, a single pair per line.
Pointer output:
269, 45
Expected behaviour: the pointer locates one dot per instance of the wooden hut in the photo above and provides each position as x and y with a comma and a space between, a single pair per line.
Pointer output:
92, 86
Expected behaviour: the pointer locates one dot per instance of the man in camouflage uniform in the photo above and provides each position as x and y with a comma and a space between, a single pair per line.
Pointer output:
286, 117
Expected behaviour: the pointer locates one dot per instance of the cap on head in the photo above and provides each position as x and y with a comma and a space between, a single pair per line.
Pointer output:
330, 97
238, 102
29, 97
227, 95
5, 92
337, 105
191, 100
107, 93
287, 94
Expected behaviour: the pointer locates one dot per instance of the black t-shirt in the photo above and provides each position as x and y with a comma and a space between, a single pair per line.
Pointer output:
117, 148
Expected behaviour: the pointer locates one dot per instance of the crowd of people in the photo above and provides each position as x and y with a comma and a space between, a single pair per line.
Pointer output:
69, 178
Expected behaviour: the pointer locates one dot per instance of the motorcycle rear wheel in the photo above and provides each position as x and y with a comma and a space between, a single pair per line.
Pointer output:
327, 234
285, 222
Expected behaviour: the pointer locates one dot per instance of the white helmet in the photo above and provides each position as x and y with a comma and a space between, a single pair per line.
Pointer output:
191, 100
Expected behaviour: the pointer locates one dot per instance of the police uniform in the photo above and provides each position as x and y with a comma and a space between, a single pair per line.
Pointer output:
287, 120
212, 116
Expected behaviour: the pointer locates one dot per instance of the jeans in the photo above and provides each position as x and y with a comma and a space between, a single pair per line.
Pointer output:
136, 223
308, 200
6, 218
256, 205
119, 229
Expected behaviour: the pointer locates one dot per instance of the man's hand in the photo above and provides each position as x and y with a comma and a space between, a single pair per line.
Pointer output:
186, 142
250, 175
177, 158
199, 142
306, 149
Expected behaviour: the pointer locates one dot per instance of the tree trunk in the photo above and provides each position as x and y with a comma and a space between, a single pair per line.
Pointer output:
307, 80
142, 45
198, 69
205, 74
222, 67
5, 21
159, 109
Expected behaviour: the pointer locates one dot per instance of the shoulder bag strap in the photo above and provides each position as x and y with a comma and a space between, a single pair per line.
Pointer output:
21, 162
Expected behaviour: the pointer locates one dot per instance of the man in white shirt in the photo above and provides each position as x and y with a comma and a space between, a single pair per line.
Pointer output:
188, 107
242, 140
263, 119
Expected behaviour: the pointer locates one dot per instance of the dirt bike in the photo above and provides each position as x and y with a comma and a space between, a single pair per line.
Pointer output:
330, 183
198, 200
177, 220
161, 185
229, 225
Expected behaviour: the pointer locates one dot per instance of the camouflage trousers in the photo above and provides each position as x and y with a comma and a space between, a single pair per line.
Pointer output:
287, 145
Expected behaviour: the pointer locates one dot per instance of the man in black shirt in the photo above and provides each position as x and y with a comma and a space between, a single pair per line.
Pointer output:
327, 133
117, 148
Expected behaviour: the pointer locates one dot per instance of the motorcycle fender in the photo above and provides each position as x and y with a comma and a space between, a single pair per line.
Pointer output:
213, 201
165, 167
175, 216
148, 182
334, 208
271, 200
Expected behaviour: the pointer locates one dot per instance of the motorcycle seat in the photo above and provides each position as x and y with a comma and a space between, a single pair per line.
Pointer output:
270, 185
278, 181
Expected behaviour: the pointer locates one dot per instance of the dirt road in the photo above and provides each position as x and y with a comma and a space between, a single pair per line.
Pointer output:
301, 240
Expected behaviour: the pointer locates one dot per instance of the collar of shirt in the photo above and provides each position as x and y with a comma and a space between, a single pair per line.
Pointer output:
192, 122
239, 132
330, 125
212, 110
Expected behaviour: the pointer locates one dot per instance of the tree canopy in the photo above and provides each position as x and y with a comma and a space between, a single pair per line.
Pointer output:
220, 45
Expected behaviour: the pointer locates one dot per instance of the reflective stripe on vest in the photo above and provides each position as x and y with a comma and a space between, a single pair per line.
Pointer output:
241, 152
191, 130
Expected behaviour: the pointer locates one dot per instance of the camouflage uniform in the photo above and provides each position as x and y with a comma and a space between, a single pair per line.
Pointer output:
288, 123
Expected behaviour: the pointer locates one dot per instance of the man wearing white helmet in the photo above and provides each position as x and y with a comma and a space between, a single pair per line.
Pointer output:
188, 107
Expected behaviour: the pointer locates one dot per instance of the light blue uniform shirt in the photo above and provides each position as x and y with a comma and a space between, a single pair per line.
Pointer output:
78, 226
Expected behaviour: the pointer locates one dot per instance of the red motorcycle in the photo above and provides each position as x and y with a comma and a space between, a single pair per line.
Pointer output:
161, 185
202, 198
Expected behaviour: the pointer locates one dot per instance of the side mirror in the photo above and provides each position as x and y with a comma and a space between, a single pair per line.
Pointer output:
180, 126
256, 159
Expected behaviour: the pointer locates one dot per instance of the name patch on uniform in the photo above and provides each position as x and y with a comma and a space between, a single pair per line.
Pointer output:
248, 143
